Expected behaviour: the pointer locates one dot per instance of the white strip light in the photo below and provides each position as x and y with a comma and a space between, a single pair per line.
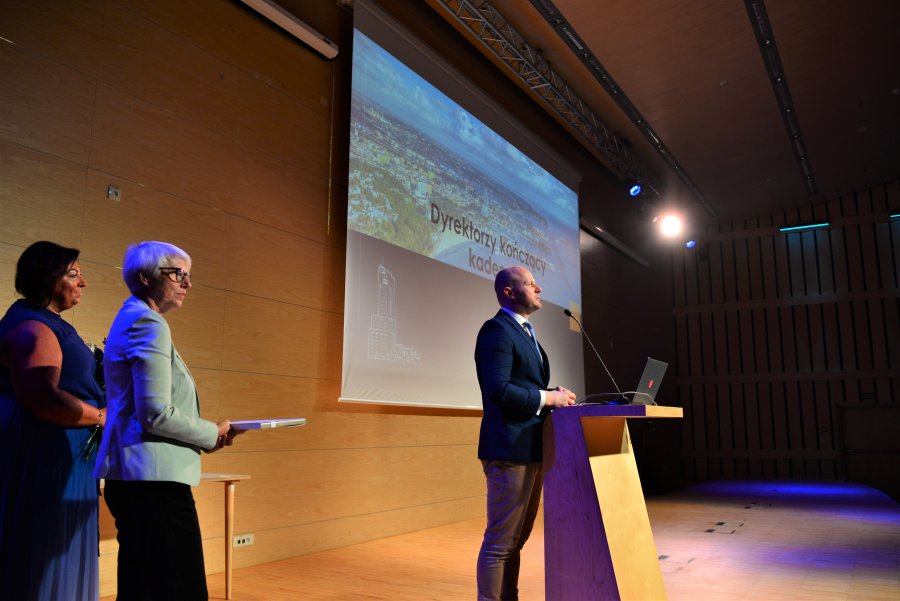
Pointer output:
295, 27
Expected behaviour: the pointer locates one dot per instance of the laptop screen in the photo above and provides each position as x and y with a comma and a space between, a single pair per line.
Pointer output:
645, 393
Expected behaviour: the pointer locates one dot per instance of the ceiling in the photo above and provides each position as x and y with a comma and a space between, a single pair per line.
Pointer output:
695, 72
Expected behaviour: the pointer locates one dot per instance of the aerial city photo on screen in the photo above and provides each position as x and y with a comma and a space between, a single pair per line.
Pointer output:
427, 176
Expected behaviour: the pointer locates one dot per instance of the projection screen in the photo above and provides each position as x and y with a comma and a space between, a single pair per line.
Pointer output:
445, 190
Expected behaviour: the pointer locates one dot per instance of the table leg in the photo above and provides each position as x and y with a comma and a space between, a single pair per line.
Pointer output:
229, 534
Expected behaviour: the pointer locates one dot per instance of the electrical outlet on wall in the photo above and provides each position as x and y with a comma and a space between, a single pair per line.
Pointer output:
242, 540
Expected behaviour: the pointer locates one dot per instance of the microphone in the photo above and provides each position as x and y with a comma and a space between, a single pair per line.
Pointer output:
588, 338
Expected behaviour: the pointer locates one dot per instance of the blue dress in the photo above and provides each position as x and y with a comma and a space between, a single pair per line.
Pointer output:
48, 506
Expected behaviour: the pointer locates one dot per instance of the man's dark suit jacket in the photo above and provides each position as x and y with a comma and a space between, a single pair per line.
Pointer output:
510, 375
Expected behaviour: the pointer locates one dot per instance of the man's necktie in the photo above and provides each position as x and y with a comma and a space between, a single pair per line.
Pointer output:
530, 329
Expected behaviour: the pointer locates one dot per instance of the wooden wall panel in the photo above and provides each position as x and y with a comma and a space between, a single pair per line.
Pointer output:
742, 277
831, 339
804, 323
706, 344
853, 248
892, 324
704, 283
729, 277
766, 427
248, 44
774, 348
746, 341
756, 269
44, 104
810, 262
767, 266
816, 332
304, 272
781, 267
689, 285
719, 348
887, 264
42, 197
825, 268
870, 259
716, 272
761, 359
67, 32
293, 487
9, 254
273, 337
794, 263
802, 341
678, 278
862, 334
725, 425
694, 342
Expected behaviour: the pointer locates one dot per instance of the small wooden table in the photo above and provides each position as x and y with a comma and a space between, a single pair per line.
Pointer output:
229, 480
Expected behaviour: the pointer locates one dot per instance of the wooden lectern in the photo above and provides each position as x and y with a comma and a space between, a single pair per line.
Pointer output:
597, 538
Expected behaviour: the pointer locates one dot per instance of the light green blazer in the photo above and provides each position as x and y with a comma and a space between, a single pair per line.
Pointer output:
153, 426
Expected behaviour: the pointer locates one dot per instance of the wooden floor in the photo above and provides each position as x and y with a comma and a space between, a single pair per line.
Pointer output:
725, 541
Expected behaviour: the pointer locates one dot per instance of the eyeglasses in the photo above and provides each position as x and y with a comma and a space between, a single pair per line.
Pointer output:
176, 274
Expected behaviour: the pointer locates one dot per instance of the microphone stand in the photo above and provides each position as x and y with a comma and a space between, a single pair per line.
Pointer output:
588, 338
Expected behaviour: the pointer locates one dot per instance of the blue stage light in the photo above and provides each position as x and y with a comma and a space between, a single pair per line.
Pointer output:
690, 244
634, 190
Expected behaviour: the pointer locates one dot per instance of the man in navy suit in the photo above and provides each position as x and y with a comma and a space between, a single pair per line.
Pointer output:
513, 373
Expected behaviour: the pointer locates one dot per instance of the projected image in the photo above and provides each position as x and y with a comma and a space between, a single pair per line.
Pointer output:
438, 203
383, 344
430, 178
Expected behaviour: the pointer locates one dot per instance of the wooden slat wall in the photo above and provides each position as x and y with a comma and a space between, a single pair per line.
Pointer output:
775, 331
225, 137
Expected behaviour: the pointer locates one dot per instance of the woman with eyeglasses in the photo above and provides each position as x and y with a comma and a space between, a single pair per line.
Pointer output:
150, 454
49, 401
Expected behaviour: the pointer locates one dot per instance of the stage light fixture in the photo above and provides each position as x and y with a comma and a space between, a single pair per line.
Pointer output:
690, 244
634, 186
670, 226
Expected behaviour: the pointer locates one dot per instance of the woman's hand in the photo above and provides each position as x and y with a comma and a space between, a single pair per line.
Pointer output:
226, 435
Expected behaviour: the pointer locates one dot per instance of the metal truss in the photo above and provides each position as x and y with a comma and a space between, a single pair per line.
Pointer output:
765, 37
499, 37
571, 38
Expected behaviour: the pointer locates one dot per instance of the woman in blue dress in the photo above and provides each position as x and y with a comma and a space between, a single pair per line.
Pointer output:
49, 403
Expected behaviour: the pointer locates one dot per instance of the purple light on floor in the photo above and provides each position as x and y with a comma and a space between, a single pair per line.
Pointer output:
770, 488
839, 499
859, 532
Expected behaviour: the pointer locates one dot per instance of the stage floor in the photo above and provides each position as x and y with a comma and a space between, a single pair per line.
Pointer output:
726, 541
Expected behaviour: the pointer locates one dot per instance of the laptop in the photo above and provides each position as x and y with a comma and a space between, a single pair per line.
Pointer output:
268, 424
645, 394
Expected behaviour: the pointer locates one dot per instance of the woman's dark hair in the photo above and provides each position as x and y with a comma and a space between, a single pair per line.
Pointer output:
39, 269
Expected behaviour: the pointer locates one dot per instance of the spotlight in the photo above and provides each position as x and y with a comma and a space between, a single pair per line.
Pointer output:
690, 244
634, 186
670, 226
